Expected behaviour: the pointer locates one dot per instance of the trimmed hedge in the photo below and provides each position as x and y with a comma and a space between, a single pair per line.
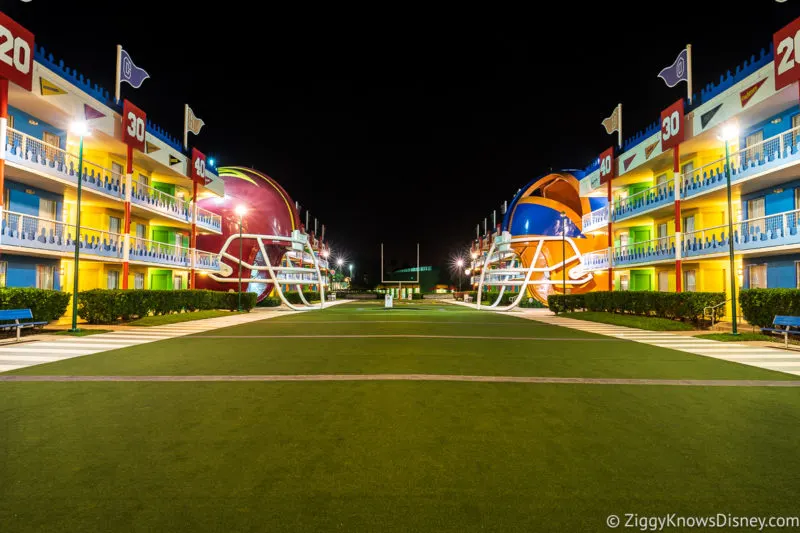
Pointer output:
269, 301
759, 306
676, 306
106, 306
44, 304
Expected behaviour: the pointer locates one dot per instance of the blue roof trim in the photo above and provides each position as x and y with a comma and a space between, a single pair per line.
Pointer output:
99, 93
159, 133
73, 76
728, 80
707, 93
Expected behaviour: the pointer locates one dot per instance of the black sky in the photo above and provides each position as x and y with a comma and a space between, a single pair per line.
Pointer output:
402, 125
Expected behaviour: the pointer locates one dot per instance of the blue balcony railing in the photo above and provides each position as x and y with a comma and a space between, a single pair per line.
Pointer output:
644, 201
650, 251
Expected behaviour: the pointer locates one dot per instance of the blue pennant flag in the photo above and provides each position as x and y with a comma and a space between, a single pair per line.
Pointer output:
678, 71
129, 72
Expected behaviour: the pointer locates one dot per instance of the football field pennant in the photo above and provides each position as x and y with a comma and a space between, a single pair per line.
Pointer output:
190, 124
648, 150
49, 88
91, 113
173, 160
128, 72
627, 162
750, 92
149, 147
614, 123
706, 117
680, 70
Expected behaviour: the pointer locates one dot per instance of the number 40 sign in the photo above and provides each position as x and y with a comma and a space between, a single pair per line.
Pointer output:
787, 47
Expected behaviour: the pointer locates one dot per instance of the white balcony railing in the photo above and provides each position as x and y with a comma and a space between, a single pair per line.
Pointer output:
19, 230
39, 155
156, 200
208, 219
158, 252
595, 260
596, 219
711, 175
48, 158
206, 260
27, 231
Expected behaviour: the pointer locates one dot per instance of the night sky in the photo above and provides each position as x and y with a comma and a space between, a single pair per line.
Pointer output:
402, 125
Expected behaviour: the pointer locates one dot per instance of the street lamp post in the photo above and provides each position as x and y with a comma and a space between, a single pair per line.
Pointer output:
564, 252
82, 129
730, 132
460, 265
240, 211
351, 275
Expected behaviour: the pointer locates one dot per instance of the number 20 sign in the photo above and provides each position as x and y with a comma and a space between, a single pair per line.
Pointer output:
134, 122
672, 130
787, 47
16, 53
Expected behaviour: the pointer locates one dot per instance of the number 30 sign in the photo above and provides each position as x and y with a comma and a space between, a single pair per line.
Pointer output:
16, 53
672, 131
787, 47
134, 122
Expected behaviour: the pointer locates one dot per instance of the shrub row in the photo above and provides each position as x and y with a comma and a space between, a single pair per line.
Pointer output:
105, 306
759, 306
44, 304
680, 306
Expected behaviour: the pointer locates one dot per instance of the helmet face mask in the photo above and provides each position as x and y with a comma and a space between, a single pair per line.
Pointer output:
267, 243
541, 248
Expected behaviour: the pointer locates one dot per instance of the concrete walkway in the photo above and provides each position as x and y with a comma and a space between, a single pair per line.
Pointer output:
779, 359
49, 348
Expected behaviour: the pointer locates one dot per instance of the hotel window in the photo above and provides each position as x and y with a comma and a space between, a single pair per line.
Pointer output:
10, 121
7, 199
115, 224
3, 270
690, 280
663, 281
688, 169
45, 276
177, 283
113, 279
117, 170
51, 139
138, 280
688, 224
755, 148
755, 214
662, 234
48, 209
141, 231
624, 282
795, 126
758, 276
661, 183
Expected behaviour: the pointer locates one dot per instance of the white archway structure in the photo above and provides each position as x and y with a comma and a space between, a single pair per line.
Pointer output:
493, 274
286, 275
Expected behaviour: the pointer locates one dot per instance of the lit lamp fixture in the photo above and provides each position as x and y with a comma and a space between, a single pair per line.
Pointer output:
460, 265
80, 128
730, 132
240, 212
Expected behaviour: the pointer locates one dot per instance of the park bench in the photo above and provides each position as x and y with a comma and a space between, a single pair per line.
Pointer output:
7, 315
783, 324
467, 299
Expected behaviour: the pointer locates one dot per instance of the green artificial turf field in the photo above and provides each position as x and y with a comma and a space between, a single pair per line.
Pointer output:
392, 455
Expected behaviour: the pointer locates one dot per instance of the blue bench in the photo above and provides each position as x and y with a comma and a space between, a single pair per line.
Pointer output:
6, 315
783, 324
